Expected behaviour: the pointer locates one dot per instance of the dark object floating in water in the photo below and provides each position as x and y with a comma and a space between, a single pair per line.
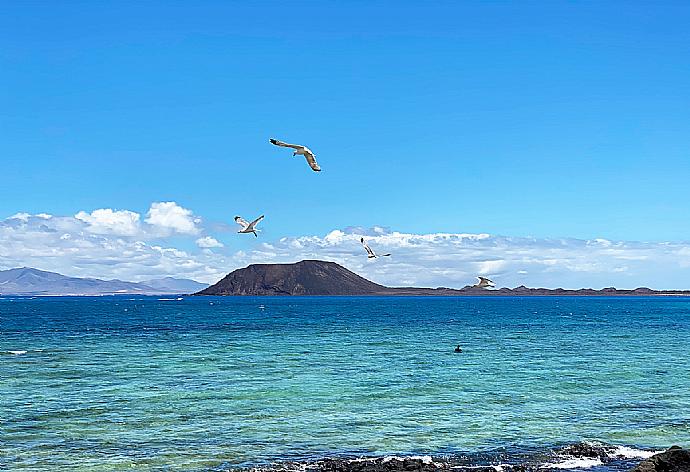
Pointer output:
675, 459
457, 349
328, 278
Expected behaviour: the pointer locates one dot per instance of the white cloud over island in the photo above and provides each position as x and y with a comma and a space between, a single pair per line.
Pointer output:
170, 217
208, 242
172, 240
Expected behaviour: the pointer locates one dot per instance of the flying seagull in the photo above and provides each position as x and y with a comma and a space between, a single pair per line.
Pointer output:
371, 254
302, 150
248, 227
484, 282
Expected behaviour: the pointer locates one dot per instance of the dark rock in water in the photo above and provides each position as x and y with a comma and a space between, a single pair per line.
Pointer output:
593, 451
377, 465
503, 459
676, 459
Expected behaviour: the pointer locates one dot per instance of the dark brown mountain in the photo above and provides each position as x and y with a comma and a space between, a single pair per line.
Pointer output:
329, 278
302, 278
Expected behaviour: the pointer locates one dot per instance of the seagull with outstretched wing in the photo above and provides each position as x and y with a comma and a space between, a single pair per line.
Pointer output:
484, 282
302, 151
248, 227
370, 253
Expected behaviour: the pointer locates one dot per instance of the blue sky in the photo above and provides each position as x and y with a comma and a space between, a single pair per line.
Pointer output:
524, 119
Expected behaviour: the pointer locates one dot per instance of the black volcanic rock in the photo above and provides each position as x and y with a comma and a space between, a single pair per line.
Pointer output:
302, 278
589, 450
675, 459
329, 278
403, 464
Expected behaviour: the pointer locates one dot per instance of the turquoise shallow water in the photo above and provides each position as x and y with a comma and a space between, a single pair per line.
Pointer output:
205, 383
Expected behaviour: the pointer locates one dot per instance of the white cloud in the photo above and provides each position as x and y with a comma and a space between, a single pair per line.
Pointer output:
163, 219
108, 221
208, 242
490, 267
454, 259
20, 216
109, 243
172, 218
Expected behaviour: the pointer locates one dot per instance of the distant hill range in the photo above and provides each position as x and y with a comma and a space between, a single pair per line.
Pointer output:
173, 285
328, 278
28, 281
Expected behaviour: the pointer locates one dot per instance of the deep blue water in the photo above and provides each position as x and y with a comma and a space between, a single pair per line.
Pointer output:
208, 383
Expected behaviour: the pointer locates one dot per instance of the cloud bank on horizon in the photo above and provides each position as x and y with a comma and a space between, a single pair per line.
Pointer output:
170, 240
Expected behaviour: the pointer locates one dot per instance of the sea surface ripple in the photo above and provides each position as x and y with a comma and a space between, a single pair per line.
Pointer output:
207, 383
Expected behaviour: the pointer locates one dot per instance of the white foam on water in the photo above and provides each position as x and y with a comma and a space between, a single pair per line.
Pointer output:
424, 459
496, 467
17, 353
574, 463
632, 453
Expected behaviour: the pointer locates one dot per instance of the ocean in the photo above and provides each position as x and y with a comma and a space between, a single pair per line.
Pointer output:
213, 383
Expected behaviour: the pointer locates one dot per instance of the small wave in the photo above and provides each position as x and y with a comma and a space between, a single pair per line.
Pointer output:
632, 453
588, 454
423, 459
17, 353
574, 463
496, 467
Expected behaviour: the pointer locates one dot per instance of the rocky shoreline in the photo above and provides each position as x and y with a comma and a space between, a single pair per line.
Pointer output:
581, 456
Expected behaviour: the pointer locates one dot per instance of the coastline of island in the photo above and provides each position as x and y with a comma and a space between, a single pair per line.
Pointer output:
323, 278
